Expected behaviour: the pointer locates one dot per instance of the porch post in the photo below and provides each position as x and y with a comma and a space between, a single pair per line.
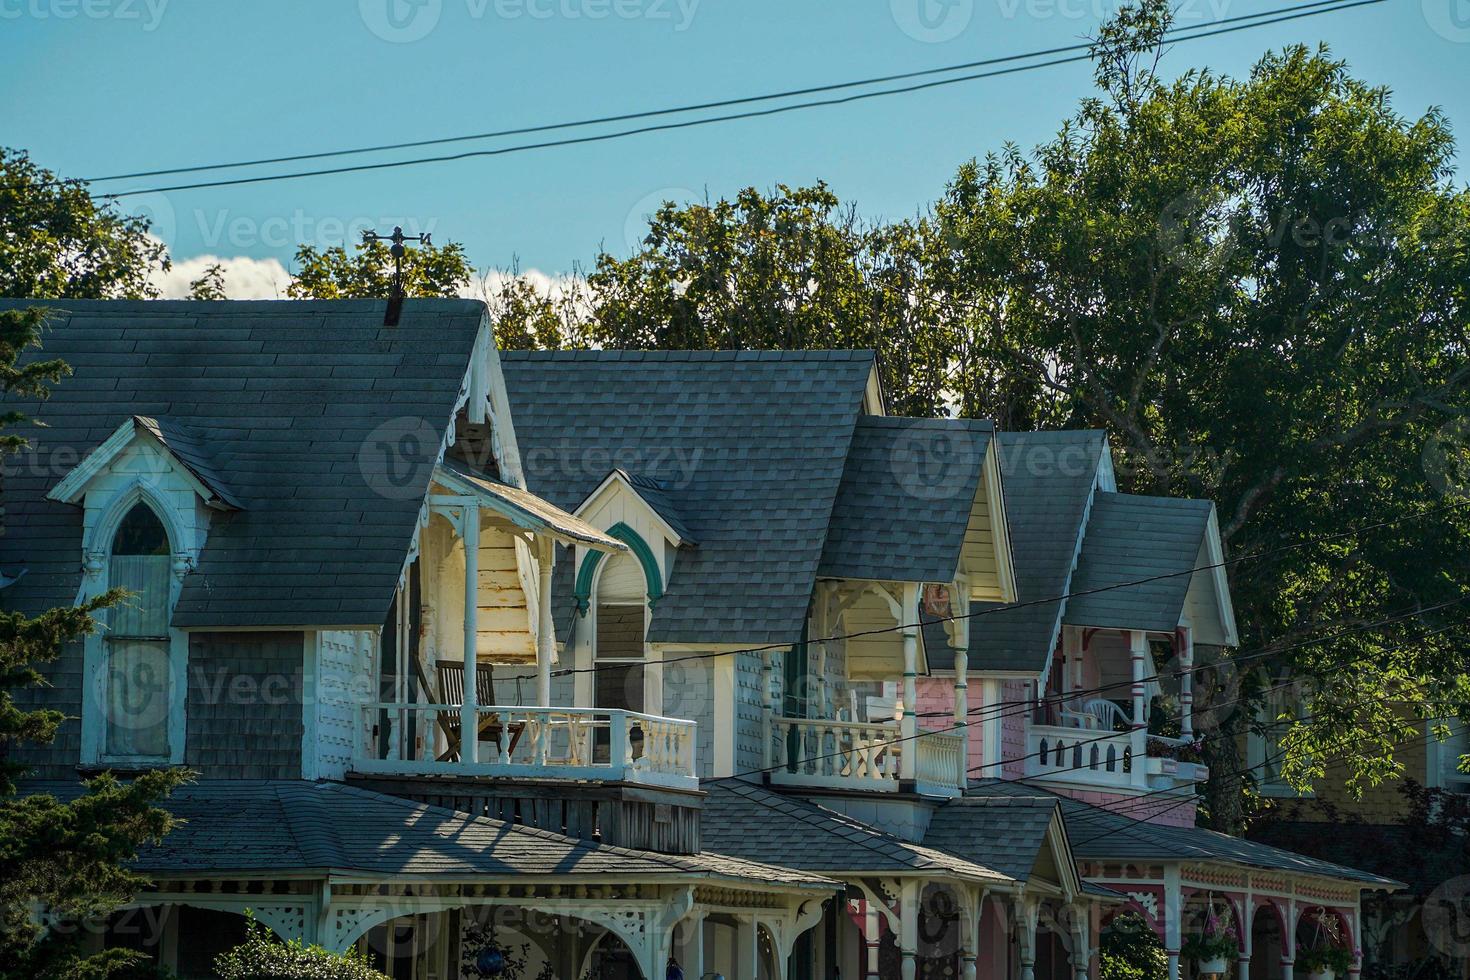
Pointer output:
872, 938
908, 926
1288, 967
747, 948
909, 726
768, 710
961, 608
691, 948
1186, 682
974, 913
1138, 731
1081, 941
992, 723
469, 711
1026, 915
1247, 917
1173, 911
545, 626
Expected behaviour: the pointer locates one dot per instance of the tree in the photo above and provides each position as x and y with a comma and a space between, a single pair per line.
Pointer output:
67, 858
210, 285
367, 273
57, 242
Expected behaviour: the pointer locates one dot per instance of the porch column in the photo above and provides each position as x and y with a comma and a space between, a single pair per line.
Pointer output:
691, 945
992, 721
908, 927
909, 726
768, 710
974, 913
1173, 912
872, 937
1138, 731
1026, 916
1288, 967
469, 711
545, 626
747, 949
1081, 942
960, 607
1243, 968
1186, 682
1247, 917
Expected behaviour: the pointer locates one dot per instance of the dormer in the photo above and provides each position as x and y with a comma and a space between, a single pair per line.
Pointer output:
642, 513
147, 493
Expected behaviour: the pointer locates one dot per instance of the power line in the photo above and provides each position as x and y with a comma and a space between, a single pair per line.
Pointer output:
710, 120
693, 107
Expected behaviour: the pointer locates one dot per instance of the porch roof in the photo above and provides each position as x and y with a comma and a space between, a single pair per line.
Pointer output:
525, 509
1151, 541
757, 824
907, 490
1007, 834
284, 403
293, 826
1101, 835
1049, 478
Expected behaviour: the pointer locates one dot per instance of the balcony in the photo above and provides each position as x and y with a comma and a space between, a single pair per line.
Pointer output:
864, 756
586, 744
1093, 759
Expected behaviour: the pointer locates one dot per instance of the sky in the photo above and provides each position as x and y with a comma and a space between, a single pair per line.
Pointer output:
100, 87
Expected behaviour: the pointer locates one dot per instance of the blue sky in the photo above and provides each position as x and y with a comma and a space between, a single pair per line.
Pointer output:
96, 87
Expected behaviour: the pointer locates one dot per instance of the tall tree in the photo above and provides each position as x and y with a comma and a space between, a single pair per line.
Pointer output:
65, 858
58, 242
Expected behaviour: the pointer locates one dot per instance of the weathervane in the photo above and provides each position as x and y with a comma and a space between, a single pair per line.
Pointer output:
395, 291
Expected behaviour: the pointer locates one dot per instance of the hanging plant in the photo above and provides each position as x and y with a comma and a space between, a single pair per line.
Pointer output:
1218, 941
1324, 959
483, 955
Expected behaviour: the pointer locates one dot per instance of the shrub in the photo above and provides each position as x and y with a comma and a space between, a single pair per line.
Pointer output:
263, 957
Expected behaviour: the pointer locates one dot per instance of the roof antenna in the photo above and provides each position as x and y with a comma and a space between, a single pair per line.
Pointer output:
395, 290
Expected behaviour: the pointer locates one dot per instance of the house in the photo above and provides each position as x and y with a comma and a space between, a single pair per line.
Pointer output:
619, 658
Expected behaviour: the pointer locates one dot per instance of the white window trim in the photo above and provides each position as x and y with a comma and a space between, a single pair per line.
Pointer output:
96, 552
1256, 760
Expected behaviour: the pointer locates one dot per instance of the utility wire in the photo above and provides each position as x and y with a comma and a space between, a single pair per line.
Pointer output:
710, 120
693, 107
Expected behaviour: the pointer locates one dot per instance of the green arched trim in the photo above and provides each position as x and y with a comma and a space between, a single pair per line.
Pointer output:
651, 576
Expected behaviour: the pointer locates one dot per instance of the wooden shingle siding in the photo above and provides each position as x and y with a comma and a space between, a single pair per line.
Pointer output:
244, 705
59, 759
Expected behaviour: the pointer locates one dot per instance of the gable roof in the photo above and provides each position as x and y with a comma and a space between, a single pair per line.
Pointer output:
524, 509
751, 445
1132, 538
254, 826
904, 503
1102, 835
656, 495
757, 824
323, 423
1049, 479
1005, 834
181, 443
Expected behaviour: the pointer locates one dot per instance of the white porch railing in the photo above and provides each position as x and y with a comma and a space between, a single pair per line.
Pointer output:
1088, 757
835, 754
939, 765
823, 752
528, 743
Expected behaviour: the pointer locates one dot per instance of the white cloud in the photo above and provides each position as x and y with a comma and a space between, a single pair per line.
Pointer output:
245, 278
487, 283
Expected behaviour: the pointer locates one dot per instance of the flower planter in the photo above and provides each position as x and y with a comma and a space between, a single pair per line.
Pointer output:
1216, 966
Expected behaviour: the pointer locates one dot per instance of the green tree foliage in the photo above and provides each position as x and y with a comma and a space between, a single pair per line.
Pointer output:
210, 285
263, 957
1129, 950
1258, 286
67, 858
57, 242
367, 272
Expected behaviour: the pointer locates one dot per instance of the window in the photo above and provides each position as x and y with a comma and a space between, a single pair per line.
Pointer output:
136, 667
622, 609
1282, 705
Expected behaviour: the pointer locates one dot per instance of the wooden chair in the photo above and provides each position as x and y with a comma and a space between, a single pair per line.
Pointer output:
451, 690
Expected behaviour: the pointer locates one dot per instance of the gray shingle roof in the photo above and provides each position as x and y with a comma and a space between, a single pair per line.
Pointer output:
188, 446
1100, 834
660, 498
1002, 833
751, 444
1048, 480
250, 826
754, 823
1130, 538
905, 499
322, 422
526, 509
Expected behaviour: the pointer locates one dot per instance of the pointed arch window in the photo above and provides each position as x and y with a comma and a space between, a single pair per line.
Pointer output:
136, 670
